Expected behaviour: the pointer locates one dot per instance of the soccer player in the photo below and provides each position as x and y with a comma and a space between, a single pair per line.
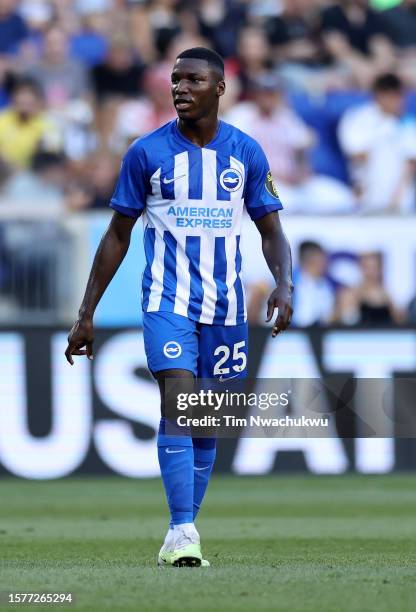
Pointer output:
190, 181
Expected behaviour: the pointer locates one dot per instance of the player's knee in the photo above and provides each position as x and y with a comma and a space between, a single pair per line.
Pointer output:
171, 383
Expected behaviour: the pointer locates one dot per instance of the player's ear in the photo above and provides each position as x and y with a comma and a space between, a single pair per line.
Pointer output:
220, 88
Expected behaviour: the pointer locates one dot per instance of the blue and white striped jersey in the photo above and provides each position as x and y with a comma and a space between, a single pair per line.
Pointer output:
192, 200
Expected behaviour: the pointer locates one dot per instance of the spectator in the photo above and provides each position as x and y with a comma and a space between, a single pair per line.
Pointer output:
380, 142
45, 187
137, 117
100, 178
38, 16
13, 29
141, 33
286, 141
164, 23
220, 22
400, 24
7, 80
294, 33
314, 294
75, 124
36, 13
369, 303
23, 125
355, 38
61, 78
119, 75
90, 43
355, 22
298, 49
253, 54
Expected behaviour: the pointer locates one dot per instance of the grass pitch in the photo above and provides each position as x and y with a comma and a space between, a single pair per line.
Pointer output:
293, 544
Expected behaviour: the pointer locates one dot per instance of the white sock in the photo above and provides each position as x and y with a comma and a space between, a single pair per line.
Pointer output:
185, 534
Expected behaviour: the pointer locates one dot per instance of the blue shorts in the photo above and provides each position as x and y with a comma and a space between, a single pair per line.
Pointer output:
172, 341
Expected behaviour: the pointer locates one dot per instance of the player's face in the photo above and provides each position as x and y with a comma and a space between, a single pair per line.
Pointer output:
196, 88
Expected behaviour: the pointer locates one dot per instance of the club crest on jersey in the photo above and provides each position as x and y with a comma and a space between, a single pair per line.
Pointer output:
172, 349
231, 179
270, 186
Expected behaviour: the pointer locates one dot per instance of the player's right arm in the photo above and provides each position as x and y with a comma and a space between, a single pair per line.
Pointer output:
111, 252
128, 202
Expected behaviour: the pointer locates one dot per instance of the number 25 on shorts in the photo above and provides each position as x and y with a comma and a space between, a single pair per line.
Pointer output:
239, 358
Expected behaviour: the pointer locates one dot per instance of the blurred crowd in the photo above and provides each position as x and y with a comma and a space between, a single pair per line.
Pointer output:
327, 88
358, 296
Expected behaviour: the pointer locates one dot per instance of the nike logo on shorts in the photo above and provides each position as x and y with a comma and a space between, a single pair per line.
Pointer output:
170, 452
203, 468
221, 379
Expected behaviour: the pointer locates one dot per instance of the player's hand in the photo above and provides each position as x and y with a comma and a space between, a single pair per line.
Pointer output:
280, 298
81, 335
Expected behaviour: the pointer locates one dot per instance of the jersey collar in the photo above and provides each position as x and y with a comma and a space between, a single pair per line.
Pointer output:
179, 136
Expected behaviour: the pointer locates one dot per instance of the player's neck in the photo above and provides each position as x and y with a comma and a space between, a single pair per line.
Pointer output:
199, 132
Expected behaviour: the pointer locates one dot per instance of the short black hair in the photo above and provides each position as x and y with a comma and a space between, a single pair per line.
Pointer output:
26, 82
309, 246
387, 82
212, 57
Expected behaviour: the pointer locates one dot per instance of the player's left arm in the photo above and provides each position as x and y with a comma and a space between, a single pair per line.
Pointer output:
276, 251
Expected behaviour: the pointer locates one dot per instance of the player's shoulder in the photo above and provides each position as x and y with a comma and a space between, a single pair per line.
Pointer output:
234, 133
241, 141
145, 152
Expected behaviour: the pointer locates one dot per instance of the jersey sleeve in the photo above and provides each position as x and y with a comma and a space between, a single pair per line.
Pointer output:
129, 197
261, 195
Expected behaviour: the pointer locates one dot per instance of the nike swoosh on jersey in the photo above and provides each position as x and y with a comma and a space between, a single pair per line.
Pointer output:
175, 178
170, 452
203, 468
221, 379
